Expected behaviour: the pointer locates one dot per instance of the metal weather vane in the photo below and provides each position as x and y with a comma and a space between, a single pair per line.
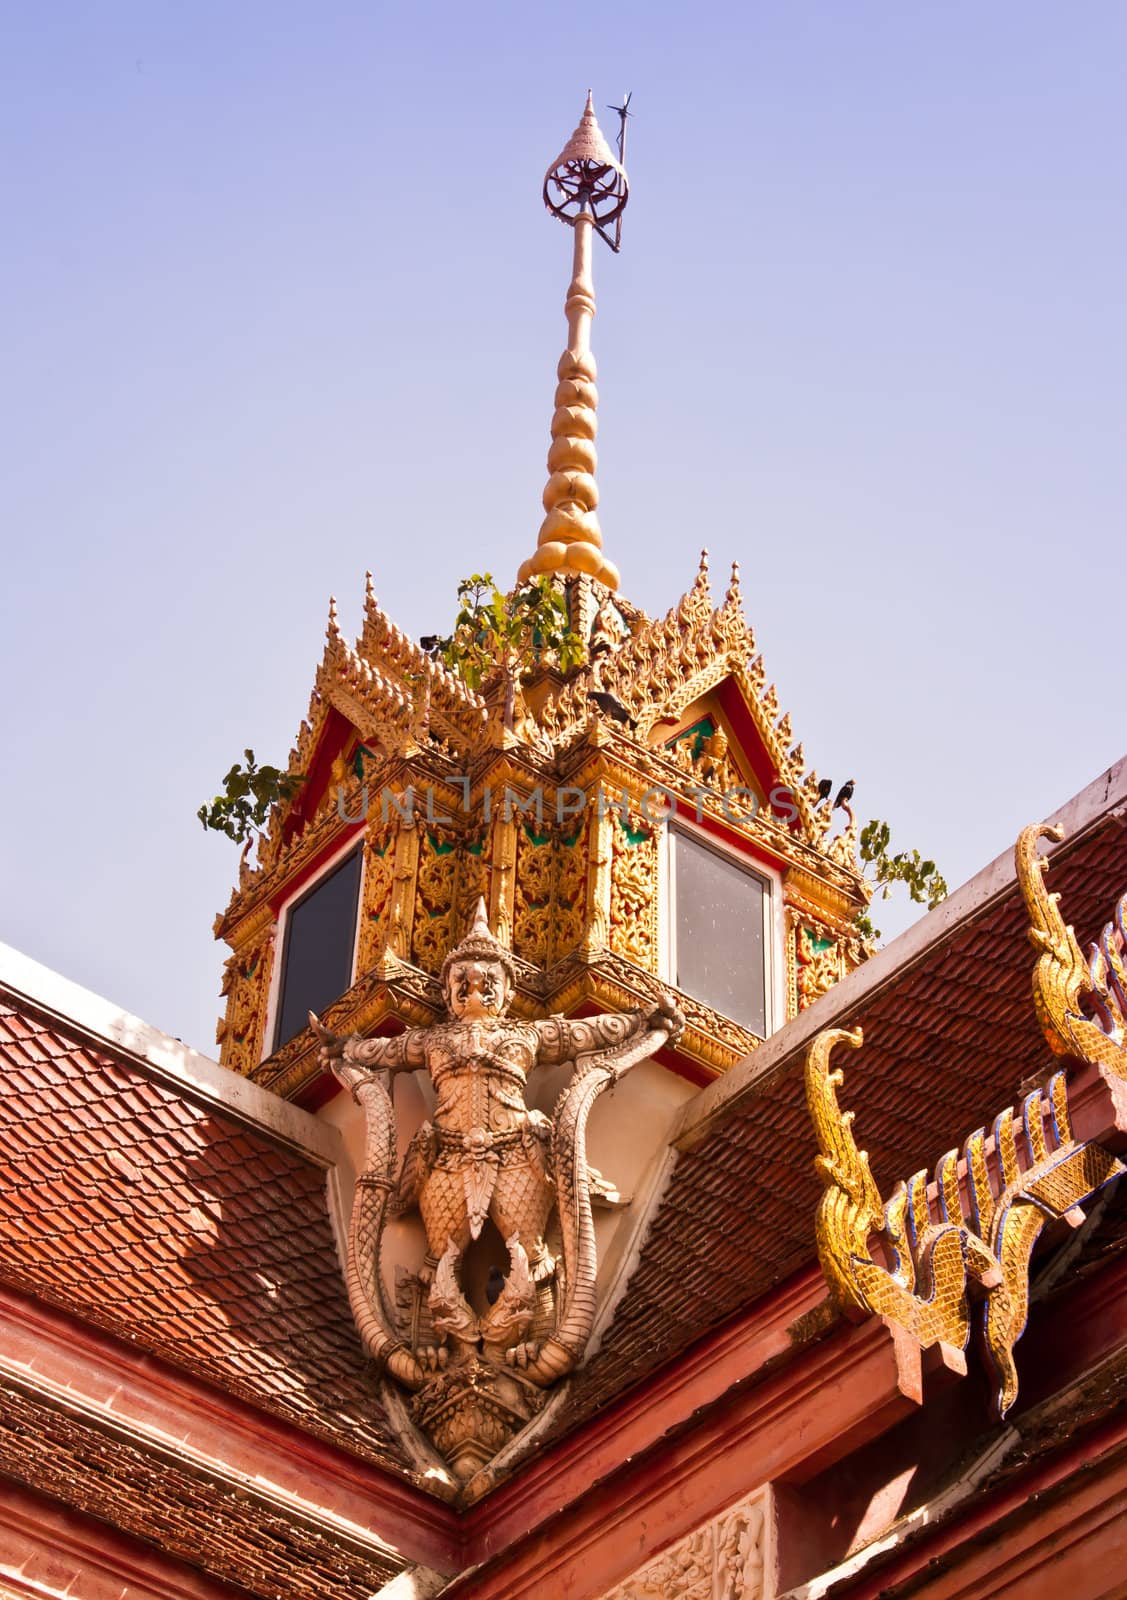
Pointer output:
622, 112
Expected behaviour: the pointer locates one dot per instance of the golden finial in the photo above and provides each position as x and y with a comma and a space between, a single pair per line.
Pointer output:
700, 593
333, 629
588, 189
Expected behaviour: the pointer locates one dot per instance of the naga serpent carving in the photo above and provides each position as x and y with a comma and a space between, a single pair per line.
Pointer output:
939, 1245
478, 1372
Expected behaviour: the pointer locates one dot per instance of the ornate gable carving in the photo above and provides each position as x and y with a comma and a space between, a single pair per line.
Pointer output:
557, 822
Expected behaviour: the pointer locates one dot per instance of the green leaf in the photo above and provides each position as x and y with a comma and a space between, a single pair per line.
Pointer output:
247, 799
920, 876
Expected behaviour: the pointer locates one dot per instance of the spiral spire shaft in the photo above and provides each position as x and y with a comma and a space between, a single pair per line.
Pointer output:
591, 188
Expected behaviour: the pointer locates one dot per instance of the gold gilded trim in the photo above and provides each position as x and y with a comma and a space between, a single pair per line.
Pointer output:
939, 1245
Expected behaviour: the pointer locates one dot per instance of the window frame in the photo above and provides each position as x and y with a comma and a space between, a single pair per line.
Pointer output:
270, 1046
774, 974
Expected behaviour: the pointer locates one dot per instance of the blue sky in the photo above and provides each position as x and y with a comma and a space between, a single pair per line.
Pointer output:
280, 303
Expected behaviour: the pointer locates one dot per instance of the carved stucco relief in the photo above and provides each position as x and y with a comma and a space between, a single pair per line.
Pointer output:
725, 1559
478, 1354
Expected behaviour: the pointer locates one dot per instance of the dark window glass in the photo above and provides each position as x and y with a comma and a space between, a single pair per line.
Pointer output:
317, 961
718, 933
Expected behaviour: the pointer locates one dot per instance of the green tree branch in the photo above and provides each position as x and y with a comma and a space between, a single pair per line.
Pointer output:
512, 634
248, 794
883, 868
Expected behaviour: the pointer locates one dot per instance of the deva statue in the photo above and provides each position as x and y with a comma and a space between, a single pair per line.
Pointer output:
486, 1155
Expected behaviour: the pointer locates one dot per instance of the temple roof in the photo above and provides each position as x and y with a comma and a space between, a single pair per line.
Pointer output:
151, 1193
184, 1210
951, 1036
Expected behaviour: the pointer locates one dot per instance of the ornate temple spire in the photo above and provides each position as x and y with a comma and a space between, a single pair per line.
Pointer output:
588, 189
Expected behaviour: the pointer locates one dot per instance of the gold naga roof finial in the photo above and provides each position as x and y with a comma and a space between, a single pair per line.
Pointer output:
587, 188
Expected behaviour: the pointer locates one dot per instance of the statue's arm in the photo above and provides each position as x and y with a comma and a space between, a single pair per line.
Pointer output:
403, 1053
563, 1038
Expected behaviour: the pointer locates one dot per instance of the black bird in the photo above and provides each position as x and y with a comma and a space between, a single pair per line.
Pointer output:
610, 707
430, 641
824, 789
844, 795
494, 1284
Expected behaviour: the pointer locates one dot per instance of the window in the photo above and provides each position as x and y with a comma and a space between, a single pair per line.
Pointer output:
717, 930
320, 937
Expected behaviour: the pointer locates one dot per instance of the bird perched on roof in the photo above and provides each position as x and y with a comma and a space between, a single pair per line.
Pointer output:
610, 707
431, 642
844, 795
824, 790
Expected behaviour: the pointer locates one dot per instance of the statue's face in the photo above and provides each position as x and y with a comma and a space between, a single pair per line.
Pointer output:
476, 989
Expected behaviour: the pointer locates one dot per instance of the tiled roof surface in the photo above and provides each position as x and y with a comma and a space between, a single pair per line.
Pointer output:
948, 1043
231, 1534
188, 1232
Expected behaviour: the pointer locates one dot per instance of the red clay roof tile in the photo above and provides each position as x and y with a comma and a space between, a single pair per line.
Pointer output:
947, 1044
134, 1208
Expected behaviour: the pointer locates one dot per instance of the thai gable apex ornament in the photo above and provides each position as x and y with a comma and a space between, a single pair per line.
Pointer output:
479, 1372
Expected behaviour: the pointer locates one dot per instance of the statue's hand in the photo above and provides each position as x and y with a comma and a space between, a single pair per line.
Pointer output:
666, 1018
331, 1044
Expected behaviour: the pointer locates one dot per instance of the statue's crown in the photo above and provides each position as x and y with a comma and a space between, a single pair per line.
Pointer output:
480, 944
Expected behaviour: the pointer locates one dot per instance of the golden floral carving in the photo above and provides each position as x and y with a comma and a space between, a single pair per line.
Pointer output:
535, 885
246, 985
433, 919
375, 904
633, 904
793, 921
551, 889
820, 963
573, 868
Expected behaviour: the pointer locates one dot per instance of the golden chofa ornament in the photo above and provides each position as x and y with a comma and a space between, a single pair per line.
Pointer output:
587, 188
